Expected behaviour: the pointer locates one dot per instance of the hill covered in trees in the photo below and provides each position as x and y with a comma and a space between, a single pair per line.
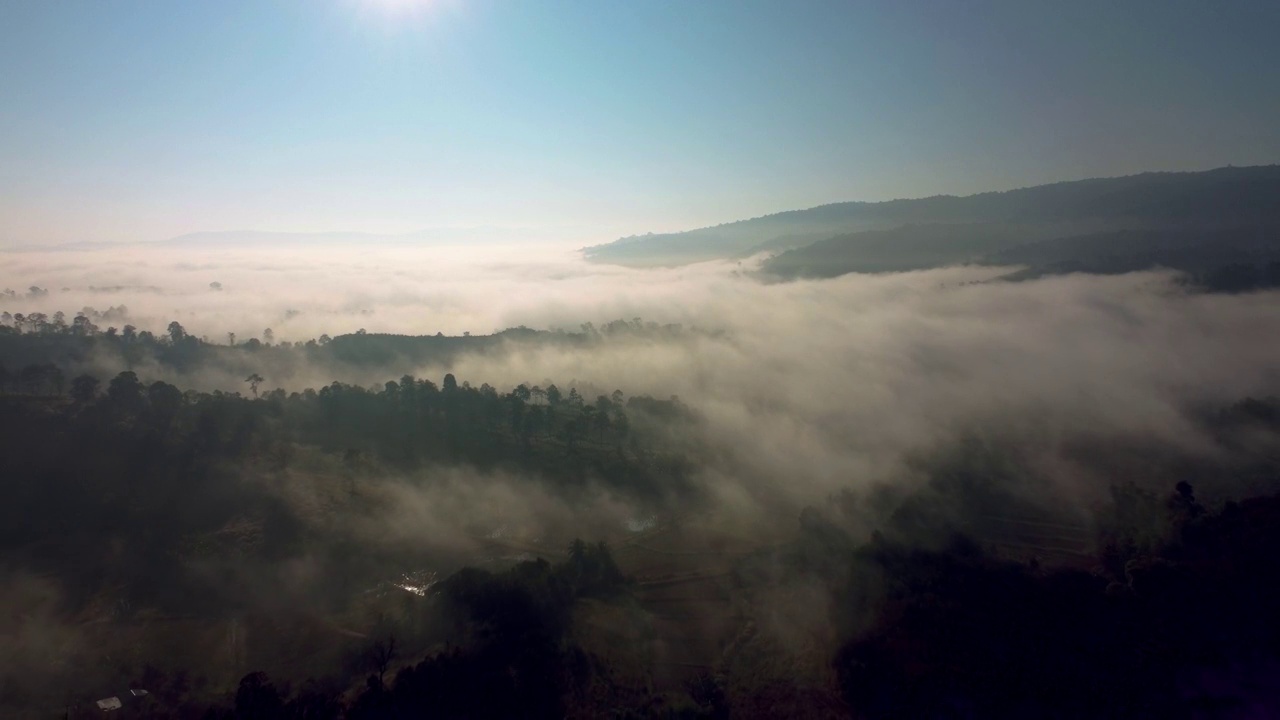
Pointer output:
1198, 222
256, 528
421, 547
104, 343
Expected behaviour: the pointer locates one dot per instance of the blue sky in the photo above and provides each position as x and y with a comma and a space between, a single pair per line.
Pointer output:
140, 121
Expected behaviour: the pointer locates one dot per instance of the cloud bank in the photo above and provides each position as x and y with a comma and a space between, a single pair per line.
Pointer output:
804, 387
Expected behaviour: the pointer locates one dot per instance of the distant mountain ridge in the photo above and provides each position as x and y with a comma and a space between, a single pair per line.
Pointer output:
430, 236
909, 234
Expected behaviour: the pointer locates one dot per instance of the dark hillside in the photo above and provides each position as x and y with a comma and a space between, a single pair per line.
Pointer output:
1225, 197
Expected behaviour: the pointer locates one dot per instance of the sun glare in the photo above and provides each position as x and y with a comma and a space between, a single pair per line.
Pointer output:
398, 8
394, 16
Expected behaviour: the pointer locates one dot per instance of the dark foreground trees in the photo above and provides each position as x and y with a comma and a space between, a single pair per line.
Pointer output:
517, 662
1177, 633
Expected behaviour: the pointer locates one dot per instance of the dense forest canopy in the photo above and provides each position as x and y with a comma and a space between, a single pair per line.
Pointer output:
189, 517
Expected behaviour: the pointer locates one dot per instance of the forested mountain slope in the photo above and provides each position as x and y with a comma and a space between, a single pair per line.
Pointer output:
1223, 198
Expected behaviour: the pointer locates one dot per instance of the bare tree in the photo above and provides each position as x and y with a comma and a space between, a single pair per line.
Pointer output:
381, 655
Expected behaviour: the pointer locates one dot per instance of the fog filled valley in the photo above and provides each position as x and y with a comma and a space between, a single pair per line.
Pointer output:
496, 481
491, 360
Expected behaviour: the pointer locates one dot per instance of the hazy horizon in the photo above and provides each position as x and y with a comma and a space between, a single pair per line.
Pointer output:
490, 235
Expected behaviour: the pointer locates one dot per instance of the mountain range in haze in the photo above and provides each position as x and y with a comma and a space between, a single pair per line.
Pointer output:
1203, 223
430, 236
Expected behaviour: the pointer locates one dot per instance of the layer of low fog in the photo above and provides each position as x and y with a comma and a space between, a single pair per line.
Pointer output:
802, 389
805, 388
